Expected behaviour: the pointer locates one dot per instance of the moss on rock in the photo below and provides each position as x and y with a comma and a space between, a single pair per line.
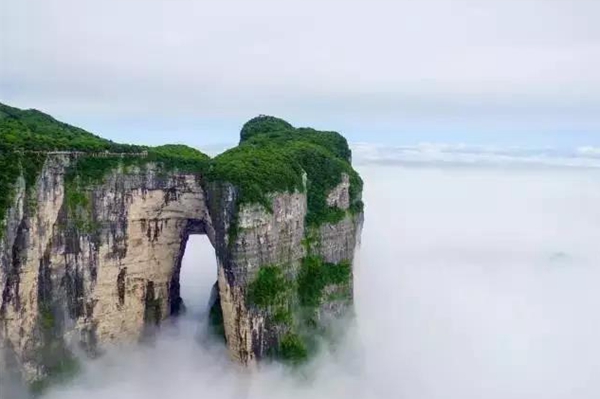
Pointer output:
269, 288
315, 275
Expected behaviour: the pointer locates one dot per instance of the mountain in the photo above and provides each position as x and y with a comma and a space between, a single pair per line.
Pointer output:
93, 232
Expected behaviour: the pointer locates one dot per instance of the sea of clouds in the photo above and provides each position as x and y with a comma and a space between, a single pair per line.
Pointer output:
472, 282
465, 154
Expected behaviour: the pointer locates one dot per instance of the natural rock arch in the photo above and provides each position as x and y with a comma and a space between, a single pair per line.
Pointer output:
91, 245
95, 284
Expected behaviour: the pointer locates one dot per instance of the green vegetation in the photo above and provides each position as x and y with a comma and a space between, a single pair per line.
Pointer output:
10, 167
215, 321
315, 275
58, 362
311, 240
257, 171
324, 173
292, 303
46, 318
333, 142
62, 371
262, 124
90, 171
33, 130
273, 157
269, 288
25, 136
178, 157
344, 294
292, 348
283, 316
13, 165
152, 311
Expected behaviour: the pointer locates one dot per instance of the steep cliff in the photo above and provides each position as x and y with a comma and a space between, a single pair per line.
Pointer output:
91, 243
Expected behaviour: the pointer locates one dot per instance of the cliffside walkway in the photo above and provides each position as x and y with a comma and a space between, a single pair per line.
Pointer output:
106, 154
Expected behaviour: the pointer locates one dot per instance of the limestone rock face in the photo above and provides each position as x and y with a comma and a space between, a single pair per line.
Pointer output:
340, 195
112, 276
263, 238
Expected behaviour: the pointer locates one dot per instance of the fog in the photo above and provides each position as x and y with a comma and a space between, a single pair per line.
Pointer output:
471, 282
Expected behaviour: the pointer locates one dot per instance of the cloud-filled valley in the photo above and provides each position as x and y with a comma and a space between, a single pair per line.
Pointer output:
470, 283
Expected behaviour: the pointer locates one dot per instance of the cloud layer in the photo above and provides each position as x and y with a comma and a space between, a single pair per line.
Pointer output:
471, 283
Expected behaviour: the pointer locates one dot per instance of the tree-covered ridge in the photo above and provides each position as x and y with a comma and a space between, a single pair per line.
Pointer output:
266, 129
262, 124
33, 130
25, 136
273, 156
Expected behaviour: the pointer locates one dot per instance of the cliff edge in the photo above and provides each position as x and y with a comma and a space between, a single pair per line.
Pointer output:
92, 234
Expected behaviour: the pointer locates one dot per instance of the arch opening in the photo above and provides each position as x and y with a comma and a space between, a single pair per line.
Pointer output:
195, 272
198, 274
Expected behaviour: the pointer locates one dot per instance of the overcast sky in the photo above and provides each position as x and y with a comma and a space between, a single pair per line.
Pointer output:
495, 72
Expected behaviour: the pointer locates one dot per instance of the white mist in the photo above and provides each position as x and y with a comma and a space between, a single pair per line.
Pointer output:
471, 283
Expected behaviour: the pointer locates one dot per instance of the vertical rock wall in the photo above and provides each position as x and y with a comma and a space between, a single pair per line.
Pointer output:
68, 285
102, 282
275, 239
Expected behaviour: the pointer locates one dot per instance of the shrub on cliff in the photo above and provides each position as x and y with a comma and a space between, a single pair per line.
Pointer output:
268, 288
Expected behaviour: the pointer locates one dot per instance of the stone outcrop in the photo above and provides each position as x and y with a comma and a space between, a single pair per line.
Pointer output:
77, 279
